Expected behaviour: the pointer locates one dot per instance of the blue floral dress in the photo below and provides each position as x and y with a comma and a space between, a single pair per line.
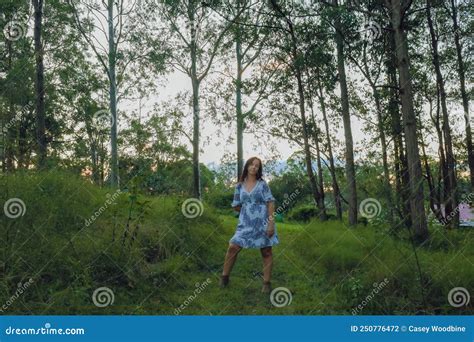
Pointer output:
251, 231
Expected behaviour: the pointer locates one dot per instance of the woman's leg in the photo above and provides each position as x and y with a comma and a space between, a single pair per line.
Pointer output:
230, 258
267, 263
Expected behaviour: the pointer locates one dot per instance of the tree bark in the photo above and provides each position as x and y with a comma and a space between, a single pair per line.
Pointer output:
318, 154
196, 109
418, 215
350, 167
464, 95
401, 165
450, 204
114, 175
434, 203
39, 86
332, 168
238, 103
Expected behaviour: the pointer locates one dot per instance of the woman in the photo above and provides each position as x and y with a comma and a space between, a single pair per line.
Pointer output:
256, 227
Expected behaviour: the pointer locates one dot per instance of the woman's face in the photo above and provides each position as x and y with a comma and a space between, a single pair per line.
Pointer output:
253, 167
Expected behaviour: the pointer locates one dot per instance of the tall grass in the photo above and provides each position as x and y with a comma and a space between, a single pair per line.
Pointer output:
135, 244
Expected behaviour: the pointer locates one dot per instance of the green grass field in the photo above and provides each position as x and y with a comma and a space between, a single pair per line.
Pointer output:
154, 260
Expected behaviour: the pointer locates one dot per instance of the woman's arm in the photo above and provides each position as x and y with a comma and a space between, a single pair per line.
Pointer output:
237, 208
271, 219
270, 209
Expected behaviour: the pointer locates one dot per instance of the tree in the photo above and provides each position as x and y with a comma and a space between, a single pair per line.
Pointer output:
451, 201
39, 85
297, 67
196, 38
128, 61
452, 10
398, 10
349, 162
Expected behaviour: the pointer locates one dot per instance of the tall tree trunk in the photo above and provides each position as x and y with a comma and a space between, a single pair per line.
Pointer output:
309, 167
380, 125
10, 139
386, 172
196, 110
93, 151
238, 103
196, 171
418, 215
401, 165
332, 168
39, 86
434, 204
464, 95
443, 168
450, 181
8, 126
114, 170
350, 167
23, 143
318, 153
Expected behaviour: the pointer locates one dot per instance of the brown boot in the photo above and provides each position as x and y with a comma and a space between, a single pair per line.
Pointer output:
267, 287
224, 282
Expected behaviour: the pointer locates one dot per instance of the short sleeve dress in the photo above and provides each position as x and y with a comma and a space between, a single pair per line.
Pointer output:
251, 230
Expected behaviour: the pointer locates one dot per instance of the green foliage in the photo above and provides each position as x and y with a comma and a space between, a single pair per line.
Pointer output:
303, 213
132, 242
152, 256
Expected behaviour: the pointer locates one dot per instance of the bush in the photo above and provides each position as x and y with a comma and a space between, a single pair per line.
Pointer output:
303, 213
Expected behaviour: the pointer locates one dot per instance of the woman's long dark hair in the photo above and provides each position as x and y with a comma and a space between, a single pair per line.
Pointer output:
245, 171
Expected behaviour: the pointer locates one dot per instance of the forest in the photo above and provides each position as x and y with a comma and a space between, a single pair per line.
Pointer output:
125, 125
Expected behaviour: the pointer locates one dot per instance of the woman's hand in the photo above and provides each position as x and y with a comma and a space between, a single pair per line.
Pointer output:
270, 227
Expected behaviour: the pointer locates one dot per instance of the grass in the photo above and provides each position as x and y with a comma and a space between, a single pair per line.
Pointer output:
157, 261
